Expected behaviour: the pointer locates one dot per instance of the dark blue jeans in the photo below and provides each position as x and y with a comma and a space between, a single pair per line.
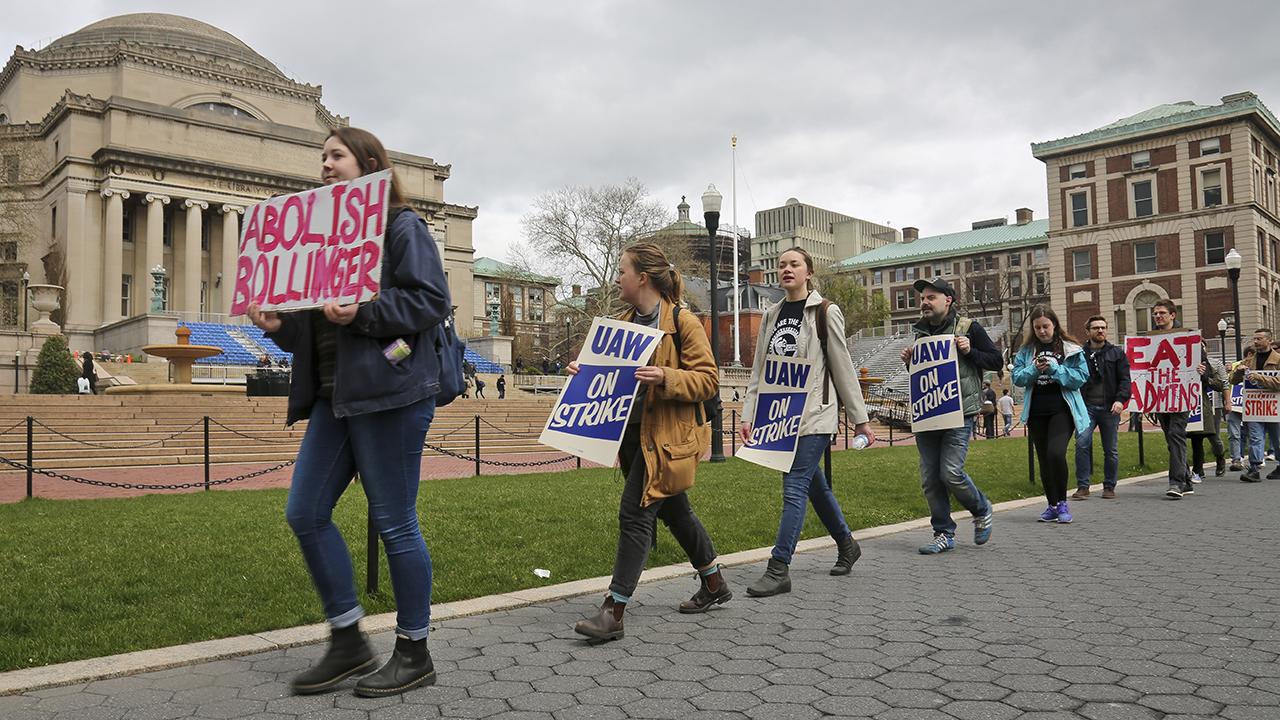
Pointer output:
942, 475
386, 449
1109, 427
807, 482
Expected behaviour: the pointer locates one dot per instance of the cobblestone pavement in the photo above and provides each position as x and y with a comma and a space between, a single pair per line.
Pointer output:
1142, 608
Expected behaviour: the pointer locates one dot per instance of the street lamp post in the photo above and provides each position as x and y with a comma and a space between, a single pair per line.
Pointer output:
1233, 272
711, 213
1222, 339
26, 280
567, 347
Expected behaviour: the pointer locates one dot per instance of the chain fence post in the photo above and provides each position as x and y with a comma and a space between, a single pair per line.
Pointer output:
30, 454
733, 434
477, 446
206, 453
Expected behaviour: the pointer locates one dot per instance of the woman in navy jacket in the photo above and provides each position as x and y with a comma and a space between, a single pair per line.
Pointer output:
368, 414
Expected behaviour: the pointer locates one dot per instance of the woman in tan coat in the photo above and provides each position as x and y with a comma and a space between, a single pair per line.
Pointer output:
665, 437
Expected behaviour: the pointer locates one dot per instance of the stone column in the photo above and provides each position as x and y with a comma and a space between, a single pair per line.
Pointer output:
191, 271
154, 253
113, 254
230, 251
83, 262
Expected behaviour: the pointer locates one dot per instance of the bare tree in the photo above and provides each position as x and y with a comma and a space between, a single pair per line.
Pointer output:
862, 309
578, 233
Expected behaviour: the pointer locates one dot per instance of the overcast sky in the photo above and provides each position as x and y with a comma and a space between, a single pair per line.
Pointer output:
910, 113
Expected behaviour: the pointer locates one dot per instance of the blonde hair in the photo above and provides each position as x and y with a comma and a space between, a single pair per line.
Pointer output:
808, 262
650, 260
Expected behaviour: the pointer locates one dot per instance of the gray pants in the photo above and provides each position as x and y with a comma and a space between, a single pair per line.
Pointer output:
1174, 426
637, 525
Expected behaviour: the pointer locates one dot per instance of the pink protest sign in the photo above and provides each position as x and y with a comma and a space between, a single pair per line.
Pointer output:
303, 250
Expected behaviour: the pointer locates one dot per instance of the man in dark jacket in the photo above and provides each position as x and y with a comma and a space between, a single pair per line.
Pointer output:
1105, 396
943, 452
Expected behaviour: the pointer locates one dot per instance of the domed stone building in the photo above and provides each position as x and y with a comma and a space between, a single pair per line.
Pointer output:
138, 141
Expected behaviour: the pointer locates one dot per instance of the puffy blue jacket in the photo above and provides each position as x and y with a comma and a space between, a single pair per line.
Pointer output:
414, 299
1071, 374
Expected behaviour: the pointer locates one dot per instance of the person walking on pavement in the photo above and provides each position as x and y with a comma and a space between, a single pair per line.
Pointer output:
1212, 381
943, 452
1006, 411
1052, 367
988, 410
1265, 359
796, 327
366, 414
1237, 434
87, 372
1105, 396
1164, 314
665, 435
502, 387
479, 387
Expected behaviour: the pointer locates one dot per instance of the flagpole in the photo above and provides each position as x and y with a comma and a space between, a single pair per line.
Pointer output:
737, 345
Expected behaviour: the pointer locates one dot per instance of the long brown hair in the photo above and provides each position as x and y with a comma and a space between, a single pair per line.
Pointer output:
366, 146
648, 258
808, 262
1060, 335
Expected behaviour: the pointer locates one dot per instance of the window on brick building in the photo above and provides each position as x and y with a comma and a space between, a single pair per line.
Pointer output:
1079, 209
1015, 284
1211, 184
900, 300
1078, 171
1015, 260
877, 277
1215, 248
1142, 205
1042, 283
1081, 265
1211, 146
1144, 257
1141, 159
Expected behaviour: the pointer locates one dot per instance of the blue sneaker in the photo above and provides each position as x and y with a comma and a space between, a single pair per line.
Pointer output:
982, 528
1064, 512
1050, 514
942, 542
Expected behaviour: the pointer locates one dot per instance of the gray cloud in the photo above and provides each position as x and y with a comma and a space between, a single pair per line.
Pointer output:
920, 113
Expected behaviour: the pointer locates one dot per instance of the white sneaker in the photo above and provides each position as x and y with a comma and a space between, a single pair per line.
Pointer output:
1196, 479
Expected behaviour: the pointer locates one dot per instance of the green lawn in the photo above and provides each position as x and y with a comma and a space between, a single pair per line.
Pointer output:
86, 578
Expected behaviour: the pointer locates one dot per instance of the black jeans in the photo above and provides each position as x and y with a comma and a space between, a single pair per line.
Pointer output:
1050, 435
1197, 451
637, 525
1175, 436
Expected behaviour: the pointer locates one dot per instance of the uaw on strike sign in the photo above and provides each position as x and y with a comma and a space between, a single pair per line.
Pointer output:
591, 414
1163, 375
775, 428
936, 403
303, 250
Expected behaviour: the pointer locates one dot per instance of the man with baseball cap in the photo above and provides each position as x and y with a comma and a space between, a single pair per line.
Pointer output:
943, 452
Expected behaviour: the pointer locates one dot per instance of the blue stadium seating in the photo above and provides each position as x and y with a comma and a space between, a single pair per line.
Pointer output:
234, 353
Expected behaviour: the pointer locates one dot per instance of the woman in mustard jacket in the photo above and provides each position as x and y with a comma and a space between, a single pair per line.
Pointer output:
665, 437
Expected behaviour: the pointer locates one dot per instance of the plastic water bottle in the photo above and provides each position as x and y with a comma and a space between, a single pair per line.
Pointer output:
860, 442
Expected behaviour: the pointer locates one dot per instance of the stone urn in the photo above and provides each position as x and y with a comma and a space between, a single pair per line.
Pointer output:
44, 300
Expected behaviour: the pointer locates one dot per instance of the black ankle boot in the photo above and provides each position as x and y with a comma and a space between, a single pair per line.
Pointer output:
348, 654
849, 552
605, 624
775, 581
706, 597
409, 667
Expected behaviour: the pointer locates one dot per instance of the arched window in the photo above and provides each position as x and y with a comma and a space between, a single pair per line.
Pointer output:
4, 118
1142, 305
222, 109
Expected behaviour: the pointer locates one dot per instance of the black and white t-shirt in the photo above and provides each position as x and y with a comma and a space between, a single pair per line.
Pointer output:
1046, 394
785, 340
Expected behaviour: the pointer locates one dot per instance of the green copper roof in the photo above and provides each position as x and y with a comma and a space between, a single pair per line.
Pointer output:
1003, 237
488, 267
1161, 118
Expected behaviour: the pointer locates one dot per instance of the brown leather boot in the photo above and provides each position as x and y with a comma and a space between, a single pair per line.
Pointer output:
1081, 493
1108, 493
606, 624
714, 591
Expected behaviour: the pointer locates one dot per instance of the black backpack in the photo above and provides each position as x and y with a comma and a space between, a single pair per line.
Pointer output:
709, 408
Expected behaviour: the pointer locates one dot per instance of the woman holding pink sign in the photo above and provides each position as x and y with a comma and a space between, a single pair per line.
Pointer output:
366, 376
803, 325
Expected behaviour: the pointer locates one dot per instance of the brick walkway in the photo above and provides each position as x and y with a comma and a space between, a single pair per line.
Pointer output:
1143, 608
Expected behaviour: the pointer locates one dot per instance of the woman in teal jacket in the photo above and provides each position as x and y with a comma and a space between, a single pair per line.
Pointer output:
1052, 367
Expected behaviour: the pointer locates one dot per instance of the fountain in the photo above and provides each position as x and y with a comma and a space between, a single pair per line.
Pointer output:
181, 355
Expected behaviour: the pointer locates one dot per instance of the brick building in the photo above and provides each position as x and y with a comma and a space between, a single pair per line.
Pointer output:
1148, 207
